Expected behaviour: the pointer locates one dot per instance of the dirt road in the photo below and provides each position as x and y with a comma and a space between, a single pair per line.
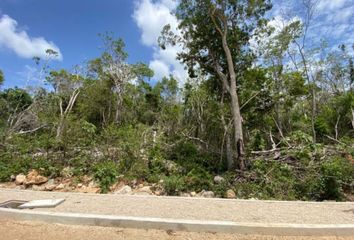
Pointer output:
10, 230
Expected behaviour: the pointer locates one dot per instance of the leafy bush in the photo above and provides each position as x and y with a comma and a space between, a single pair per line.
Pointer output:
81, 164
272, 180
198, 179
5, 172
81, 133
257, 141
128, 140
45, 166
336, 174
173, 185
299, 138
321, 126
139, 170
187, 155
105, 173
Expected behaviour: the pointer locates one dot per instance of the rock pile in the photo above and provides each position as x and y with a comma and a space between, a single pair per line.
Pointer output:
86, 184
32, 178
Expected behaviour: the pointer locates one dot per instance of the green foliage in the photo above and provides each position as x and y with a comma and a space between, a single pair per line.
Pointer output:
220, 189
17, 99
198, 179
125, 150
173, 184
299, 138
295, 84
2, 78
16, 164
275, 180
139, 170
80, 133
94, 101
5, 172
336, 174
322, 127
106, 174
257, 141
82, 164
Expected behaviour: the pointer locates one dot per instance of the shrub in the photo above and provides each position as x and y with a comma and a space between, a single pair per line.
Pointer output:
321, 126
81, 164
257, 141
198, 179
297, 138
275, 179
336, 175
187, 155
173, 185
5, 172
13, 165
308, 185
220, 188
105, 173
81, 133
45, 166
139, 170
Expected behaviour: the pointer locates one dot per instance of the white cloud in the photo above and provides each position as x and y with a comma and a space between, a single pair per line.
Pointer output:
331, 4
267, 42
171, 4
160, 68
22, 44
333, 19
151, 16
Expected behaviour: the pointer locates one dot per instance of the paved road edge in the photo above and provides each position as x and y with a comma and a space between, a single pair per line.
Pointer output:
180, 224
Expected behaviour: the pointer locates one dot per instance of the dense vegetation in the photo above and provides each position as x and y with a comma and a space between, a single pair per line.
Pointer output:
276, 122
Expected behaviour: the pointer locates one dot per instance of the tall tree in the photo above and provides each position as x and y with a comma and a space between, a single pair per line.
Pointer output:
114, 67
215, 35
305, 55
67, 88
273, 44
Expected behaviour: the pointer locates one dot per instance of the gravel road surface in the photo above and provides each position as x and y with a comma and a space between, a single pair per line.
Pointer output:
194, 208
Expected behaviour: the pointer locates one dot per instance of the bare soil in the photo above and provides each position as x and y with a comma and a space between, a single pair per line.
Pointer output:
11, 230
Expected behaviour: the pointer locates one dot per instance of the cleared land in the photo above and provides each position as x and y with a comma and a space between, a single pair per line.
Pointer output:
11, 230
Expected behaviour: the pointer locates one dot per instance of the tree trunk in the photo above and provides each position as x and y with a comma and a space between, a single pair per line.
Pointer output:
227, 137
235, 106
229, 155
238, 133
60, 128
336, 128
352, 117
61, 121
117, 116
64, 114
231, 87
313, 114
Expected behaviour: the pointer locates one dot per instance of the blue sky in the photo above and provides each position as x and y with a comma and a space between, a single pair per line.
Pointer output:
73, 26
27, 27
